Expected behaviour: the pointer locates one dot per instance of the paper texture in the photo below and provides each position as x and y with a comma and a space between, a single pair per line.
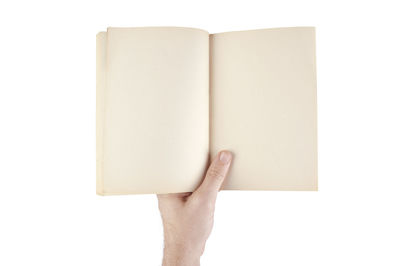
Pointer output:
169, 97
264, 107
101, 57
155, 133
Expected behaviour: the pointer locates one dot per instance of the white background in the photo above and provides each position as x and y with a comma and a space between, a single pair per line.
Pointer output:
49, 213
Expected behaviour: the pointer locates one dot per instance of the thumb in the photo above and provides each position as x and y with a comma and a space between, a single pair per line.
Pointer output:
216, 174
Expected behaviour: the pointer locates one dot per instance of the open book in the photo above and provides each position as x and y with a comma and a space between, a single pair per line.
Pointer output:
169, 98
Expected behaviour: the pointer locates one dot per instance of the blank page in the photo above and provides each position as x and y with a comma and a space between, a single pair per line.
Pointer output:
263, 107
153, 110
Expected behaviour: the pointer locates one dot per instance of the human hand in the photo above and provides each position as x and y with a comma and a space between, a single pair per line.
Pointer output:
188, 217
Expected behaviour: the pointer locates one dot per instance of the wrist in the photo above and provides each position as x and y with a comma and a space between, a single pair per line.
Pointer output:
180, 255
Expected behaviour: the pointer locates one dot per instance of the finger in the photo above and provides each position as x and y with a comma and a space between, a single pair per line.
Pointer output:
174, 195
215, 176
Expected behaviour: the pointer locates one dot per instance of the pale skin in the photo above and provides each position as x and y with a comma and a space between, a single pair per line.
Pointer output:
188, 217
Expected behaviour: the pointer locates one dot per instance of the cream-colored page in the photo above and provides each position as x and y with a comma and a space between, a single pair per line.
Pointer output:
153, 110
264, 107
101, 42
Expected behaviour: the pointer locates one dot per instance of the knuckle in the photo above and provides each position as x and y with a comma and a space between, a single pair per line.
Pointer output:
205, 203
216, 173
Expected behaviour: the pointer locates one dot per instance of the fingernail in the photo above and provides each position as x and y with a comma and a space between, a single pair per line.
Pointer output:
225, 157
